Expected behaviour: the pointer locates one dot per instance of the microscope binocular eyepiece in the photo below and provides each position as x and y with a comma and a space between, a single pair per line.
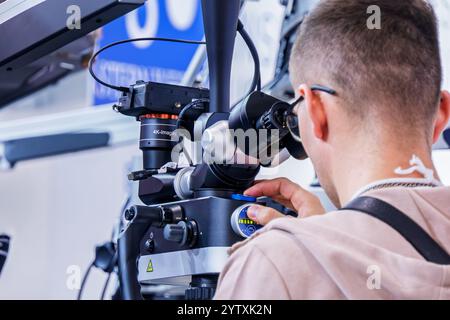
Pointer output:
256, 132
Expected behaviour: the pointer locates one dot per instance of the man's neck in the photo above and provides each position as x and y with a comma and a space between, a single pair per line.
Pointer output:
364, 167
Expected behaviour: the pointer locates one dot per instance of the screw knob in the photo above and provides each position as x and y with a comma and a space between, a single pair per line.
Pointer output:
129, 214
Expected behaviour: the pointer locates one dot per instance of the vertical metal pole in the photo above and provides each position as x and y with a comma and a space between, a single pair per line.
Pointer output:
220, 19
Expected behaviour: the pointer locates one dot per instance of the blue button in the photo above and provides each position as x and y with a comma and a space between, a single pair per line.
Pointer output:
251, 229
241, 197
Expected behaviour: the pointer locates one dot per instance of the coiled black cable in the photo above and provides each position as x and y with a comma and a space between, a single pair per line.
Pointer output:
125, 89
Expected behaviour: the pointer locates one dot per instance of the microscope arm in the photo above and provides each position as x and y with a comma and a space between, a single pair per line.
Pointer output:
140, 219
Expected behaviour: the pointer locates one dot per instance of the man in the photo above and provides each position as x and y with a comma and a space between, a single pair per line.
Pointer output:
371, 135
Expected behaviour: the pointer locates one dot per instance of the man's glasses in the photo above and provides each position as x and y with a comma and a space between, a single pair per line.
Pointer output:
292, 119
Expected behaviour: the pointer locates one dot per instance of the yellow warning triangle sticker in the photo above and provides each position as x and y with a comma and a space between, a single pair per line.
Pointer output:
150, 266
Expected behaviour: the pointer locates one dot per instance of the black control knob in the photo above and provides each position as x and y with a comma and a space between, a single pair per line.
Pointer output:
176, 232
182, 232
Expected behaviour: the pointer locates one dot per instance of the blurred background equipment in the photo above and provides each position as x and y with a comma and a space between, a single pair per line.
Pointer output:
4, 249
447, 137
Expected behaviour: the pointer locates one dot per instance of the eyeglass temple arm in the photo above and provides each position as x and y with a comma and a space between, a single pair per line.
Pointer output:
318, 87
315, 87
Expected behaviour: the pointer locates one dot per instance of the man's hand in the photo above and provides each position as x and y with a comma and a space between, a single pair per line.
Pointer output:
286, 193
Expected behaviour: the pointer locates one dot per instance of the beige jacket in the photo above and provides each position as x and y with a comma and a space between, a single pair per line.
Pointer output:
343, 255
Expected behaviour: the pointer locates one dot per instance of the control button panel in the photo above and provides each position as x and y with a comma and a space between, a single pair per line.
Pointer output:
242, 225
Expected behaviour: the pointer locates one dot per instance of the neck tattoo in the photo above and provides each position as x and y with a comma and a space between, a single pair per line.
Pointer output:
428, 181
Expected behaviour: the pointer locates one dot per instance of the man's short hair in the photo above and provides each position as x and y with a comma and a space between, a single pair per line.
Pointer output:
393, 71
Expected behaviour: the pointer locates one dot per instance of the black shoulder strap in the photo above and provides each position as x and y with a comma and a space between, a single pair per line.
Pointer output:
404, 225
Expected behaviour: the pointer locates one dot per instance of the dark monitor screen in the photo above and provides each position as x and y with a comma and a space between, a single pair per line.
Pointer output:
39, 48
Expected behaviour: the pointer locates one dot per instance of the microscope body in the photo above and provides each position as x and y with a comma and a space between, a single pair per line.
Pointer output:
195, 245
194, 213
195, 240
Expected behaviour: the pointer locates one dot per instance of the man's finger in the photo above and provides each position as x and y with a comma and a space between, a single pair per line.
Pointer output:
270, 188
281, 187
263, 215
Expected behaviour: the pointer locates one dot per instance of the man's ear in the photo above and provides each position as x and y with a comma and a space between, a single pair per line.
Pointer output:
442, 116
316, 112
